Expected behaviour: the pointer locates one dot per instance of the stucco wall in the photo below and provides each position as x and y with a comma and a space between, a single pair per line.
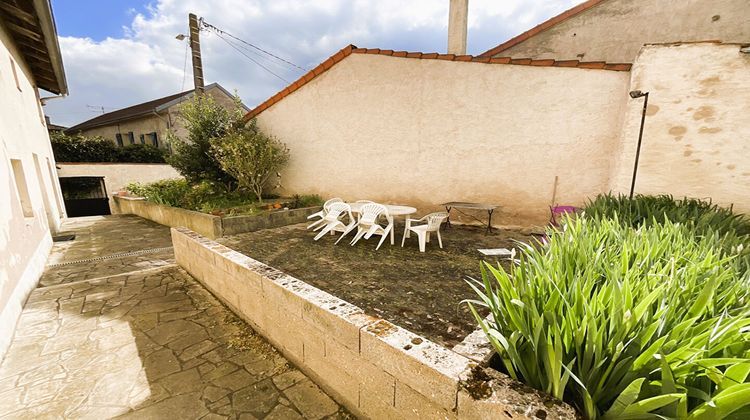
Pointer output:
615, 30
25, 241
118, 175
423, 132
696, 140
138, 126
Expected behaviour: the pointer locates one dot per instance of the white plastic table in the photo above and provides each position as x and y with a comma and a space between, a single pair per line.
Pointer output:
393, 210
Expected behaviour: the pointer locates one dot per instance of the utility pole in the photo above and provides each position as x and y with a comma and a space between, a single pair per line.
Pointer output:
195, 47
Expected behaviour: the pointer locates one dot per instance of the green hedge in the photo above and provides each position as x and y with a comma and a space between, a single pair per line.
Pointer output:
79, 148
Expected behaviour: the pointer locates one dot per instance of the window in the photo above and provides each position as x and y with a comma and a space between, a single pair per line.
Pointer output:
21, 187
131, 138
154, 139
143, 139
15, 74
118, 138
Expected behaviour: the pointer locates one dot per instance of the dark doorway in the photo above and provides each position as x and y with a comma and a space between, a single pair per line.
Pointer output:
85, 196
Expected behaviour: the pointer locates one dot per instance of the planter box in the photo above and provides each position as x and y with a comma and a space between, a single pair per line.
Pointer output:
373, 367
206, 224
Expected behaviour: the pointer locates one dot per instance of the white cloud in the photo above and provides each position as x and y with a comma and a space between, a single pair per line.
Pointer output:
147, 61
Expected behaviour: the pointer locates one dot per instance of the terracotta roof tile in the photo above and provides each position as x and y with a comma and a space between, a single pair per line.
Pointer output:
500, 60
618, 66
541, 27
345, 52
566, 63
592, 65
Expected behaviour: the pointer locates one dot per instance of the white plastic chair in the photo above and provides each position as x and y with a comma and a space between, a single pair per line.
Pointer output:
434, 220
333, 222
368, 225
322, 214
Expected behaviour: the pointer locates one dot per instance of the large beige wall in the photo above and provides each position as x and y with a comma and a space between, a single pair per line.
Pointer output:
696, 140
423, 132
615, 30
118, 175
25, 241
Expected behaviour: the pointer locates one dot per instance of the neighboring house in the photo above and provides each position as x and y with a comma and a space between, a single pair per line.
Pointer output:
54, 128
30, 201
148, 122
615, 30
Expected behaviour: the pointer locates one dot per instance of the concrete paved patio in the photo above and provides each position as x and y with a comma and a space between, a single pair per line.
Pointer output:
143, 340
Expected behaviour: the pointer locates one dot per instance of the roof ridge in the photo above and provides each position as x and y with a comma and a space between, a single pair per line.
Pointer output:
133, 111
352, 49
580, 8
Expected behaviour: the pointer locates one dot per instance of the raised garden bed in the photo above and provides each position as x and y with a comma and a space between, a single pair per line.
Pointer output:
373, 367
211, 225
419, 291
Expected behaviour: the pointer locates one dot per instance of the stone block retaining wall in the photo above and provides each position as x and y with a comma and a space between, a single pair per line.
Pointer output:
373, 367
206, 224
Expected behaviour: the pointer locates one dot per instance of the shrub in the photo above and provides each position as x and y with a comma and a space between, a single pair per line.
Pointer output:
251, 157
168, 192
205, 121
140, 153
308, 200
625, 323
703, 216
204, 196
79, 148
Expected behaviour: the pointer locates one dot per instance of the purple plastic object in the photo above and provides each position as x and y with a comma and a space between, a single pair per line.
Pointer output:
558, 211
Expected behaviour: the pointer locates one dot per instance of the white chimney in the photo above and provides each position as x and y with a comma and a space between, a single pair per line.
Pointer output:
457, 22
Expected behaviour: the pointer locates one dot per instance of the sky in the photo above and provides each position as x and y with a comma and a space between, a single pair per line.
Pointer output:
119, 53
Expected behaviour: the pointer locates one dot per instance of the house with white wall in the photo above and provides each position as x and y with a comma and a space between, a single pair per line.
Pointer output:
31, 206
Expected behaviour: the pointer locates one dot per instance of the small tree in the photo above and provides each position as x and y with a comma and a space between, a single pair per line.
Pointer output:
251, 157
205, 121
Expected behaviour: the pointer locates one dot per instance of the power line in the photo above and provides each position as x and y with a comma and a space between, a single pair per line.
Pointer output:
250, 58
219, 31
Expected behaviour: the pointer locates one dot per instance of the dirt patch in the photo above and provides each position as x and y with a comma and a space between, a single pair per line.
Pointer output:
417, 291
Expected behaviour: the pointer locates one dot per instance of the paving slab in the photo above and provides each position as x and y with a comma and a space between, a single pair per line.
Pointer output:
147, 343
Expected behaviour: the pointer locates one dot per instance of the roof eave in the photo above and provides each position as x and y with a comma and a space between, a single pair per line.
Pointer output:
47, 24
